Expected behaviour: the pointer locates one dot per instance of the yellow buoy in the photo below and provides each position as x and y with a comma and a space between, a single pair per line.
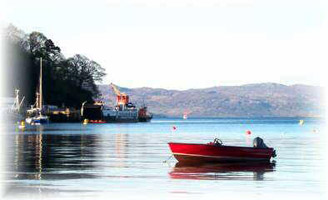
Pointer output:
85, 121
21, 125
301, 122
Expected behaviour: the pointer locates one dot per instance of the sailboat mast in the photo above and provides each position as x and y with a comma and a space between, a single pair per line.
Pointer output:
40, 88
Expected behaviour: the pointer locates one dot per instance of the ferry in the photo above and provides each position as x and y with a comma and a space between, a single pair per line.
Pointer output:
124, 111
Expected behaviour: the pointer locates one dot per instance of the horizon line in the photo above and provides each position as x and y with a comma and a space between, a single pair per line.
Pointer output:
215, 86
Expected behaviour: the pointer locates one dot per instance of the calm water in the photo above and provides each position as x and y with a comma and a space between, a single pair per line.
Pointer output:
124, 160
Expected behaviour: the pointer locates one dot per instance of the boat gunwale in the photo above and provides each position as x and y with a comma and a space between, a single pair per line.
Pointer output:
223, 146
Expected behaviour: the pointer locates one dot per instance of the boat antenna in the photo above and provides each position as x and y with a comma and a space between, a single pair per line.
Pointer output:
143, 101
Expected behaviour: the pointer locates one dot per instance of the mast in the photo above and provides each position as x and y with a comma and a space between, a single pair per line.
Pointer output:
16, 104
40, 87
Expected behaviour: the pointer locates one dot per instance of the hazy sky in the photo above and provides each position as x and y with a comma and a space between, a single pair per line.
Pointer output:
184, 44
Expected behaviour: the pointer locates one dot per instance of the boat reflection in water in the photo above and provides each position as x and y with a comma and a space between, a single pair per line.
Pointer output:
223, 171
52, 157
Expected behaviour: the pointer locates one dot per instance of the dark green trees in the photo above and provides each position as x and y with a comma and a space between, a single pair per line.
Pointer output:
66, 82
84, 72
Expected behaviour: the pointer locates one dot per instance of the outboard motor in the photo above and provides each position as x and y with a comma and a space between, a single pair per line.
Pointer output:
258, 143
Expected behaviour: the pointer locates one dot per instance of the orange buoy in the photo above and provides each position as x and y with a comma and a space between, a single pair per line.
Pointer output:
248, 132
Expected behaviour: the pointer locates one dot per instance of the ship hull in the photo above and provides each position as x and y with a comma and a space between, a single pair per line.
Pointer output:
37, 120
117, 116
120, 120
98, 113
145, 119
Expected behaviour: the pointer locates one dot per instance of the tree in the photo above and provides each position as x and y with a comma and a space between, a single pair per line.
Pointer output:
65, 81
85, 72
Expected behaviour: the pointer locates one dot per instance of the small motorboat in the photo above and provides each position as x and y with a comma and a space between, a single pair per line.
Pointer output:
217, 152
38, 119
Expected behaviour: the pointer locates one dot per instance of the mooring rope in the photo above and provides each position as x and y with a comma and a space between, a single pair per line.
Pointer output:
165, 161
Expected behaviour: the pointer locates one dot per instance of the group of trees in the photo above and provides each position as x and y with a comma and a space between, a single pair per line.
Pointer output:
66, 81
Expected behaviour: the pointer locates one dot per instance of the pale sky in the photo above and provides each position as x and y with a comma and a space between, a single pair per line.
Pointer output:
180, 44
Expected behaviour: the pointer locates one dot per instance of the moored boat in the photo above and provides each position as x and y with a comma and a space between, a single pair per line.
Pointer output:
217, 152
10, 108
37, 120
35, 115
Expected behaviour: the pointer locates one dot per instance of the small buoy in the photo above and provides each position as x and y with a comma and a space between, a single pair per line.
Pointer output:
248, 132
301, 122
174, 128
21, 125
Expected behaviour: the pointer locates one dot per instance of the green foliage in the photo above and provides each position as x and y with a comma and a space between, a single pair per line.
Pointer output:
66, 82
85, 72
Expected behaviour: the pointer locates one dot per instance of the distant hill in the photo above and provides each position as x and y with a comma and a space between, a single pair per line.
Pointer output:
252, 100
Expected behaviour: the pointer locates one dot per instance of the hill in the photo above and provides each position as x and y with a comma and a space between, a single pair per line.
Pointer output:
252, 100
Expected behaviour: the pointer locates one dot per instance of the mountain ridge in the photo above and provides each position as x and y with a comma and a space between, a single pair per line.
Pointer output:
250, 100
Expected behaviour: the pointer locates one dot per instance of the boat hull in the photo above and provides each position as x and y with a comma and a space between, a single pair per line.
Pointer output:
37, 120
97, 112
185, 152
145, 119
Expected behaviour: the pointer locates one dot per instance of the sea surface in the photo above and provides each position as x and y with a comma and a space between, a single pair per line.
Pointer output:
130, 161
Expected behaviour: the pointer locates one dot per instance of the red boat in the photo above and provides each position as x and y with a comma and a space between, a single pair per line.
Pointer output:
216, 152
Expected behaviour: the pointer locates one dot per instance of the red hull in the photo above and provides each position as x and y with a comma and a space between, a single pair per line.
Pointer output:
185, 152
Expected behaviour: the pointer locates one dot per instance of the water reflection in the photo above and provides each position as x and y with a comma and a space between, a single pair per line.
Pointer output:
121, 145
228, 171
72, 159
43, 156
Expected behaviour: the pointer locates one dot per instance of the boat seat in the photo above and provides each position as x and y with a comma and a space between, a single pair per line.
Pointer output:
217, 142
